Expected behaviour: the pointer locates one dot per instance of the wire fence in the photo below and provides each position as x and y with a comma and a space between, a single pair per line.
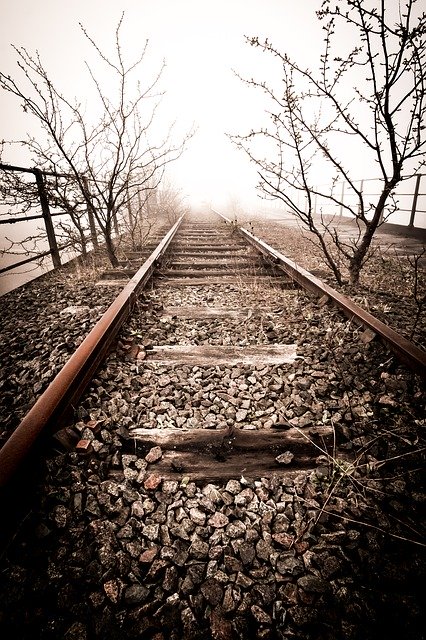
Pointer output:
409, 201
409, 198
41, 203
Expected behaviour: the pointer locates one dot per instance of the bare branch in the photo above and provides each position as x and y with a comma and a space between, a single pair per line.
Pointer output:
312, 118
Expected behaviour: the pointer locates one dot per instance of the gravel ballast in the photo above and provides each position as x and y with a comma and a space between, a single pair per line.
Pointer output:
109, 548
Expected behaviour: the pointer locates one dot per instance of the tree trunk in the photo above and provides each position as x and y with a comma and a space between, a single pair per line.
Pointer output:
356, 262
83, 243
110, 249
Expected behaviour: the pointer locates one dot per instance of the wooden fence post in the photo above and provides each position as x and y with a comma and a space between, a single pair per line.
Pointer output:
361, 188
416, 195
90, 216
54, 251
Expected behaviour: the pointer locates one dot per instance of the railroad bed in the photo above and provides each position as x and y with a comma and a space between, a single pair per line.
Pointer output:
207, 375
221, 475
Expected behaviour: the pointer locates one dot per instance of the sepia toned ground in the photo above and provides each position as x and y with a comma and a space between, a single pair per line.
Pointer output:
108, 547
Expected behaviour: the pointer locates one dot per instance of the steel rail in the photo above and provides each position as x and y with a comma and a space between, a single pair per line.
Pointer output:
60, 397
404, 349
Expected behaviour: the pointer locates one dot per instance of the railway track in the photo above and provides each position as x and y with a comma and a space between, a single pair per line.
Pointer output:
206, 255
195, 255
202, 444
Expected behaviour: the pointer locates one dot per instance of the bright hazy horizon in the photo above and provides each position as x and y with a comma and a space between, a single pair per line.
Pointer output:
203, 44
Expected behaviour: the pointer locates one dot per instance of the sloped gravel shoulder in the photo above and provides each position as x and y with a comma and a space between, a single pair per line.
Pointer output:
41, 325
110, 550
389, 284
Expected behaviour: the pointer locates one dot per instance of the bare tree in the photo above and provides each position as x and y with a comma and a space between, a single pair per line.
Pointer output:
107, 158
315, 116
170, 201
18, 193
138, 222
64, 194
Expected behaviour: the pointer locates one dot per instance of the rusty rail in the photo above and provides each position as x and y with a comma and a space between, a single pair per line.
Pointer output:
66, 388
405, 350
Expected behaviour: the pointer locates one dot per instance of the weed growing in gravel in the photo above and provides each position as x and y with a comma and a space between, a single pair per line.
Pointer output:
87, 269
398, 281
364, 491
377, 445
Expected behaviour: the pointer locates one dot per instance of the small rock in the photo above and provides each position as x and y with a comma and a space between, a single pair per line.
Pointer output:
84, 447
151, 531
130, 474
263, 550
218, 520
137, 509
243, 581
229, 603
387, 401
212, 493
199, 549
197, 516
264, 593
164, 380
170, 580
221, 629
305, 615
330, 567
367, 336
60, 516
181, 553
128, 459
212, 591
247, 553
232, 565
283, 539
236, 529
77, 631
287, 564
96, 598
152, 481
112, 590
156, 569
184, 530
285, 458
301, 546
289, 593
233, 486
189, 622
148, 555
170, 487
260, 615
75, 310
313, 584
125, 532
154, 455
135, 594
